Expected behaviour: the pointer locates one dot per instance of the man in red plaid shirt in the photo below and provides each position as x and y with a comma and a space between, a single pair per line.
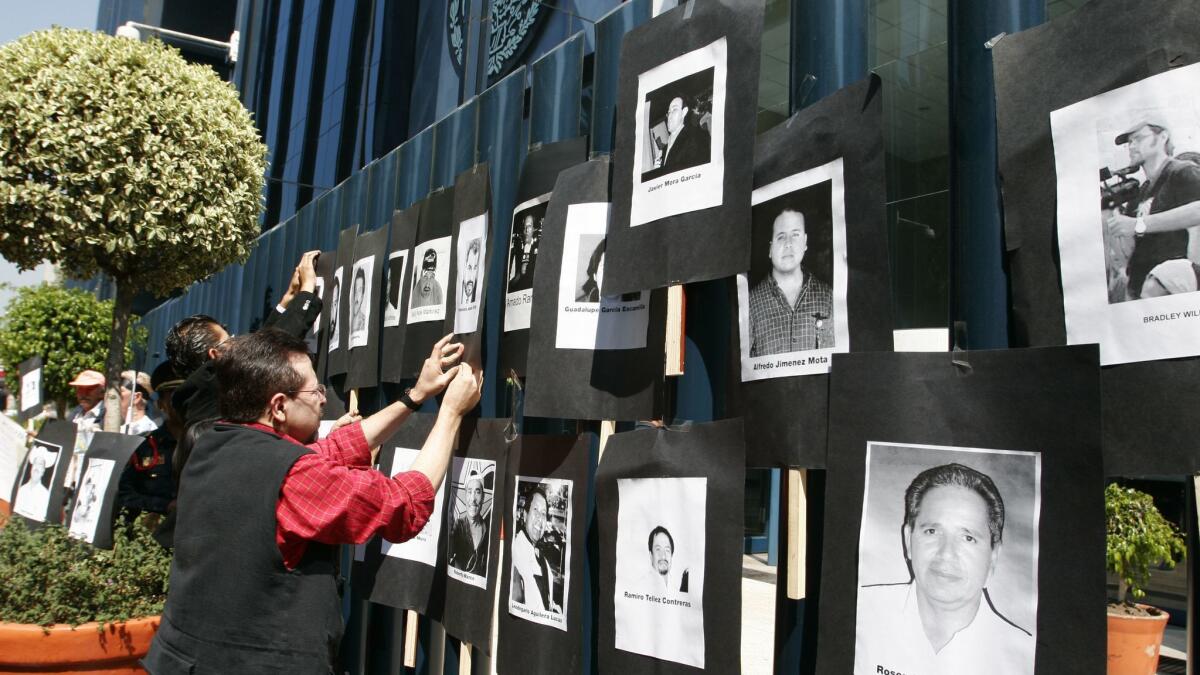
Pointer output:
254, 581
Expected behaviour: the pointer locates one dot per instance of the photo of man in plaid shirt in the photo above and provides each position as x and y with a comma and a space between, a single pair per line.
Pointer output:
790, 310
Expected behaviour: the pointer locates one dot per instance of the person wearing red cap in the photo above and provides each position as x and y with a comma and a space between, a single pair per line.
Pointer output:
1171, 184
88, 416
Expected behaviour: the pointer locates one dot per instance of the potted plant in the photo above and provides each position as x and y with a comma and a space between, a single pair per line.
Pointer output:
1138, 538
67, 606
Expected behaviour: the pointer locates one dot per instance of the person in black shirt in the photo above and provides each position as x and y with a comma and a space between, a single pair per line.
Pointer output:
195, 341
147, 482
1165, 206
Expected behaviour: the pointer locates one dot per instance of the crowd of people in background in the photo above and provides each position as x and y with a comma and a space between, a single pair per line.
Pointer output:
233, 476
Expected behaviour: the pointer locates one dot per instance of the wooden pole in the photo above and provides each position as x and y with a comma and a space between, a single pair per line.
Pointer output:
410, 639
1196, 489
797, 531
676, 313
464, 659
607, 429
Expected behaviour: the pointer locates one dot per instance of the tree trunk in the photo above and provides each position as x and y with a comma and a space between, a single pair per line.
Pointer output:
122, 307
1122, 590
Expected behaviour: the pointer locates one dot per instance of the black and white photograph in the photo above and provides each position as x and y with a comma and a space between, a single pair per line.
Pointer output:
37, 476
31, 389
659, 593
431, 274
1128, 164
473, 489
393, 280
792, 302
587, 319
335, 314
313, 337
522, 258
948, 554
540, 551
90, 500
679, 148
360, 301
472, 252
423, 547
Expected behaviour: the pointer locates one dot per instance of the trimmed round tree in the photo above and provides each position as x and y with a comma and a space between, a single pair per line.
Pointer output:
68, 328
117, 156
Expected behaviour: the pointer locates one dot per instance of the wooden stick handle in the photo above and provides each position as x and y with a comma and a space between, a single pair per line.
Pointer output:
797, 531
464, 659
607, 429
410, 639
676, 311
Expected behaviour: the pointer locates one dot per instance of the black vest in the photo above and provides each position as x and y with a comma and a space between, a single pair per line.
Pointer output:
233, 607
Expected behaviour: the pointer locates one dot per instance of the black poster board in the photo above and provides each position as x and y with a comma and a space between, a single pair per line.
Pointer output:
397, 283
538, 175
688, 219
994, 407
338, 292
94, 507
31, 394
693, 482
544, 633
326, 264
38, 493
394, 575
471, 252
364, 314
576, 383
472, 571
1103, 45
785, 414
430, 288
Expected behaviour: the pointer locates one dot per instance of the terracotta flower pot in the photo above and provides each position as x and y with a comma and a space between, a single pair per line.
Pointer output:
26, 648
1134, 643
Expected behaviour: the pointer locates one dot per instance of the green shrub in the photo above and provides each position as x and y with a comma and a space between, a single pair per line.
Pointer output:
1138, 538
51, 578
69, 328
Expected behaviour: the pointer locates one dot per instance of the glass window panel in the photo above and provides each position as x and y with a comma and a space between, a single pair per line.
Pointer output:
908, 50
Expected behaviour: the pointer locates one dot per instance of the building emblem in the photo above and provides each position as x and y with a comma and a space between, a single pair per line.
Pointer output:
513, 26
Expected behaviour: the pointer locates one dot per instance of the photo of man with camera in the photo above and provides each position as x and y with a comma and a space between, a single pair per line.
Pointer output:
1147, 221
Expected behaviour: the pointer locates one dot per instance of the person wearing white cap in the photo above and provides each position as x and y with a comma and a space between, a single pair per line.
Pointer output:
1166, 203
135, 391
1171, 277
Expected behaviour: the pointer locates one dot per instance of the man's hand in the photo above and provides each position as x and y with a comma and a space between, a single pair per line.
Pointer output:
307, 271
304, 278
438, 370
346, 420
1119, 225
463, 392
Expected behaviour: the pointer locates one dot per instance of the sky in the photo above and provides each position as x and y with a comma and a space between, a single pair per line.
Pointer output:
26, 16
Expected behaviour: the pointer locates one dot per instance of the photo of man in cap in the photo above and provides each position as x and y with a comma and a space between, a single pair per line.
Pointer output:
426, 290
1151, 228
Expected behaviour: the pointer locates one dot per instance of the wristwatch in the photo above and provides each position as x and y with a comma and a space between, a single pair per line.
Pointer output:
407, 400
1139, 226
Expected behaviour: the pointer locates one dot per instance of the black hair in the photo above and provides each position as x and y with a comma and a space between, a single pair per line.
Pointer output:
960, 476
656, 531
254, 368
594, 261
188, 342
